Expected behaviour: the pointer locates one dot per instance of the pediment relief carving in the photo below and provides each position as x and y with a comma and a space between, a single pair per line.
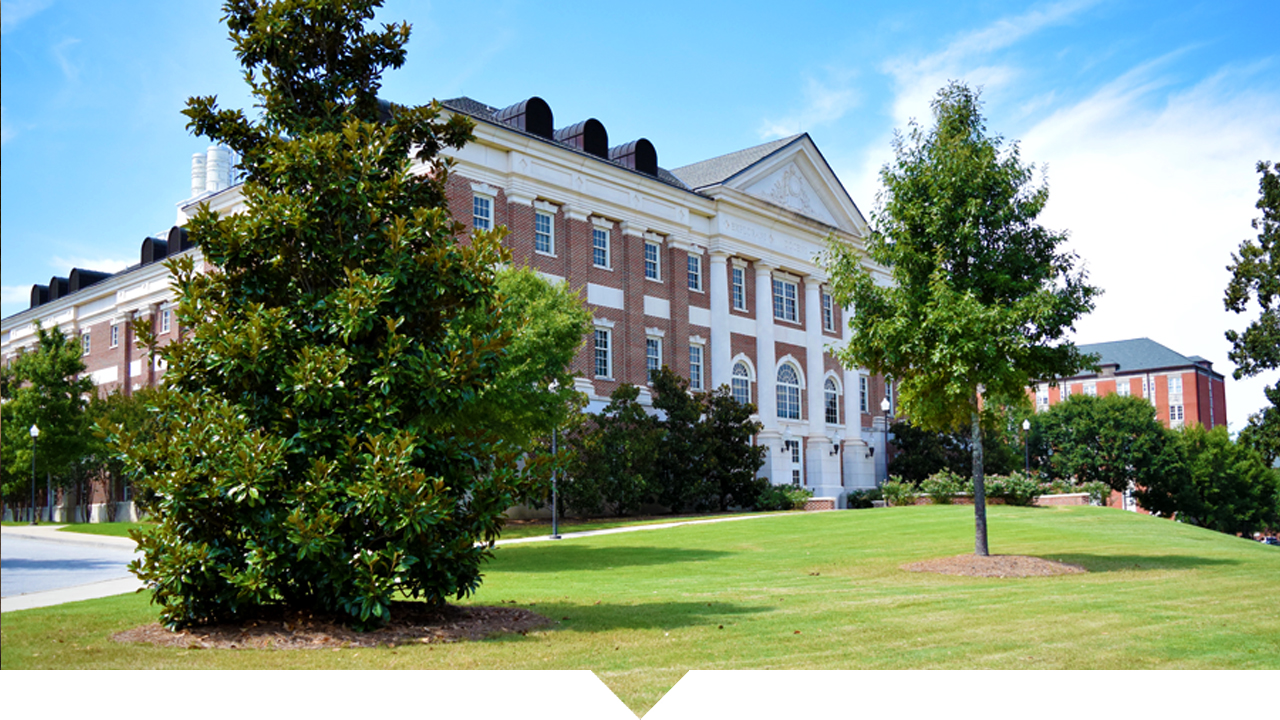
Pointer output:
788, 187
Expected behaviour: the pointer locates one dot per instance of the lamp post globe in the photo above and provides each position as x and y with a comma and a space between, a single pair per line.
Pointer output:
35, 433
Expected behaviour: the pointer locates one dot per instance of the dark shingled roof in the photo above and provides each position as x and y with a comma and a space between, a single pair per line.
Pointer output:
480, 111
719, 169
1138, 355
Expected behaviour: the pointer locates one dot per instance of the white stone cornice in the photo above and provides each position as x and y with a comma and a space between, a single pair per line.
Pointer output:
655, 332
484, 189
602, 222
651, 236
520, 195
545, 206
576, 212
630, 229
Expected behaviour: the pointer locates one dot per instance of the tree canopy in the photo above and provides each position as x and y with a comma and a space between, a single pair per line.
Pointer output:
44, 387
980, 294
1113, 439
320, 450
1255, 275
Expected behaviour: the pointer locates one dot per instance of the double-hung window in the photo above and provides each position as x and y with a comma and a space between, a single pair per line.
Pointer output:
784, 300
85, 343
864, 396
115, 336
1122, 387
604, 353
1091, 388
600, 247
695, 273
831, 395
544, 233
653, 261
653, 355
739, 288
1175, 401
482, 212
695, 367
164, 320
1042, 396
828, 313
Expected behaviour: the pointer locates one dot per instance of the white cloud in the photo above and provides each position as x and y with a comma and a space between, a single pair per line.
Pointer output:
1158, 191
63, 265
966, 59
61, 54
6, 130
825, 102
14, 12
15, 295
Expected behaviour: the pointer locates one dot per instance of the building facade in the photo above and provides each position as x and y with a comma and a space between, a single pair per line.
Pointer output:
1184, 390
710, 269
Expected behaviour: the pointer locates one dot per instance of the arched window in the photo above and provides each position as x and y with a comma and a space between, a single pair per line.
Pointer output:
741, 383
788, 393
832, 397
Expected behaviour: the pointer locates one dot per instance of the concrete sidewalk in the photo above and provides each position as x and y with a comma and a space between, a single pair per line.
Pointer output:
99, 549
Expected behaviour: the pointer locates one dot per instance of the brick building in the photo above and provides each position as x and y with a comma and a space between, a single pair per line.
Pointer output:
1183, 389
708, 268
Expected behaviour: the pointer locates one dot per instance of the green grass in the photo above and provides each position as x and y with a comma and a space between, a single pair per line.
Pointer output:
542, 528
802, 591
114, 529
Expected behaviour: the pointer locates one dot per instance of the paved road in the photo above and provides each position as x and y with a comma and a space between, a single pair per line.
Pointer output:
41, 566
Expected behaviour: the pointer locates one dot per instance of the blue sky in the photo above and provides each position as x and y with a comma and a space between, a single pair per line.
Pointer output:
1148, 116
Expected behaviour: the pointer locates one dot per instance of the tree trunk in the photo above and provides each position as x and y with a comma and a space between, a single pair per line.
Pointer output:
979, 490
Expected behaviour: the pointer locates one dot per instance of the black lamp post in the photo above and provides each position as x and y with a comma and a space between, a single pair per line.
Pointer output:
35, 433
555, 476
884, 408
1026, 446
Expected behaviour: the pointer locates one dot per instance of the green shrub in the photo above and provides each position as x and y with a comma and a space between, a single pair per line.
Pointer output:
1099, 492
783, 497
898, 492
1015, 489
942, 487
863, 499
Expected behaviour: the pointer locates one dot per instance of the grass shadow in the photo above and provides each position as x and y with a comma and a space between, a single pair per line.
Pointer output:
558, 557
659, 615
1119, 563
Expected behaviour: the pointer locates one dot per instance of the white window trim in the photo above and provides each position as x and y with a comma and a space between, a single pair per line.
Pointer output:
487, 192
785, 281
164, 320
608, 351
656, 339
830, 376
544, 208
115, 335
657, 261
605, 226
86, 344
864, 393
828, 310
696, 257
790, 362
701, 349
738, 269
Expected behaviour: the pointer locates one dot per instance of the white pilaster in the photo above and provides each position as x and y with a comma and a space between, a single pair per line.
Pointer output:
721, 347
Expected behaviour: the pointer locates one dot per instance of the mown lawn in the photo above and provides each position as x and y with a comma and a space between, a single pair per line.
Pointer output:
803, 591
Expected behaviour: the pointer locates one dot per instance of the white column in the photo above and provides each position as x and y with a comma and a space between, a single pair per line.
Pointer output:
721, 349
777, 462
767, 397
822, 468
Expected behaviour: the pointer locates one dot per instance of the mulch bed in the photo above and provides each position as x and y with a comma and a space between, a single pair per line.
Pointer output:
412, 623
1000, 566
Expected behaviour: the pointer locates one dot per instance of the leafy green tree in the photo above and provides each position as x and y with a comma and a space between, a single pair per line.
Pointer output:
1115, 440
679, 470
120, 410
1214, 483
545, 324
1255, 274
921, 453
614, 458
46, 388
706, 460
320, 450
981, 294
731, 461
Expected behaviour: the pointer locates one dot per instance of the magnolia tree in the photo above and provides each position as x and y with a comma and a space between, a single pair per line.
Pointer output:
321, 448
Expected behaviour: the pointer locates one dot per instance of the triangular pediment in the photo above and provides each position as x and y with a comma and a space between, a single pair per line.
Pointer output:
788, 187
789, 173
